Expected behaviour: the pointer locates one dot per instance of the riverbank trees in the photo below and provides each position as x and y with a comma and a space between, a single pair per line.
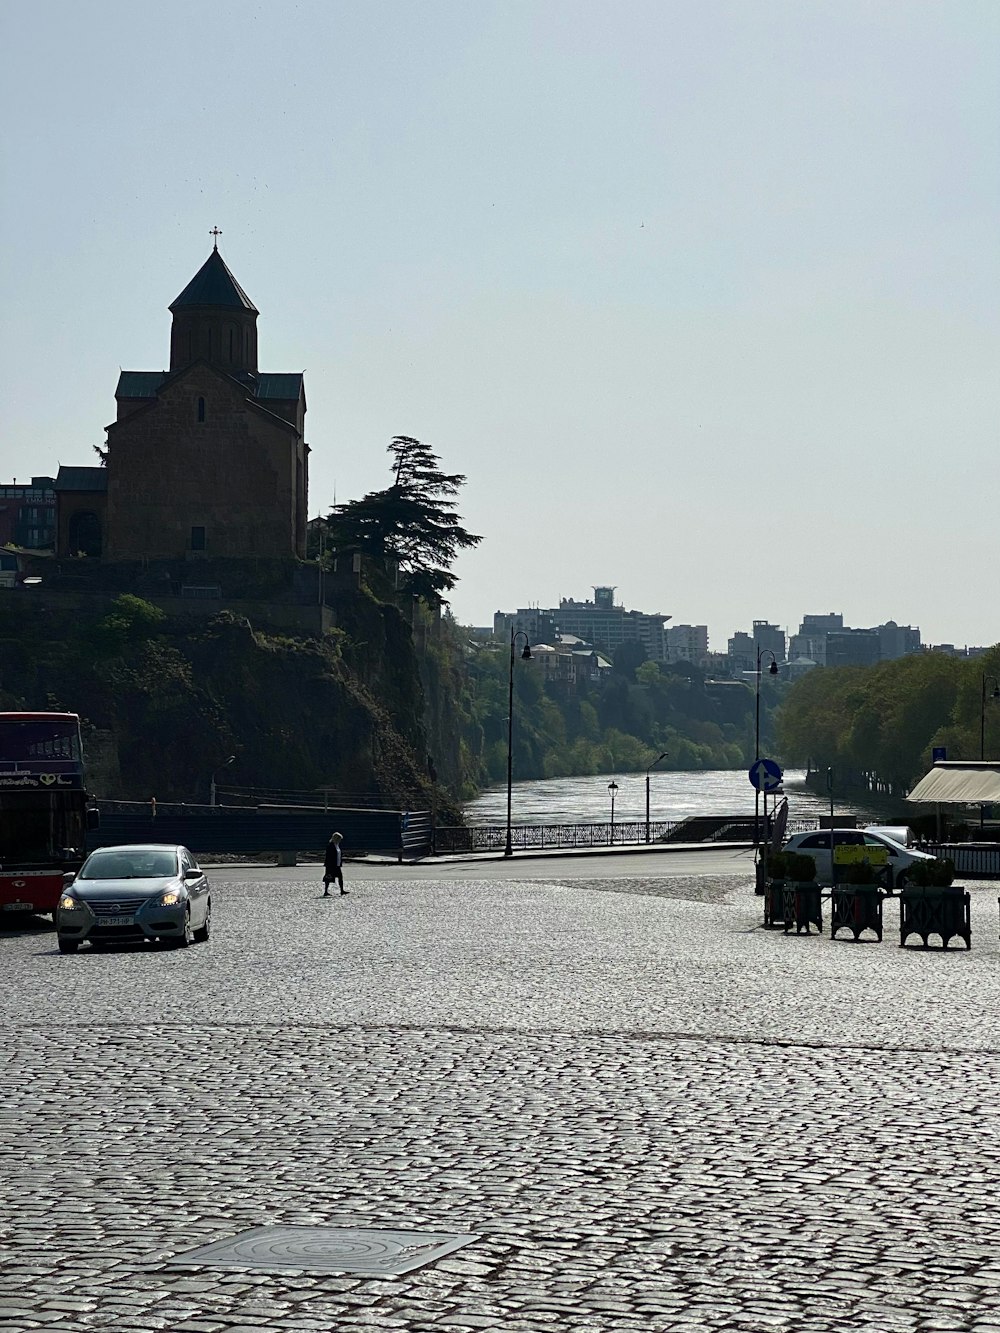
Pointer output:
877, 726
616, 724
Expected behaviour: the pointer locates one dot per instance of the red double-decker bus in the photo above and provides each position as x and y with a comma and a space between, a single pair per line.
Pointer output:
44, 816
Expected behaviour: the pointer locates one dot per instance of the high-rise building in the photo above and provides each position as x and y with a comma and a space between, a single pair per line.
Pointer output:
608, 626
743, 647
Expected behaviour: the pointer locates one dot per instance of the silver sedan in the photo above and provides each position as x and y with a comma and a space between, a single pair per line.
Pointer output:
133, 893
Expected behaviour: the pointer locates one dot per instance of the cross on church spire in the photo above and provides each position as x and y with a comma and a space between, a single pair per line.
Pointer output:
215, 233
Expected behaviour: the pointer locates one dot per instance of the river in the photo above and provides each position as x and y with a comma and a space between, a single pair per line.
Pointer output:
672, 795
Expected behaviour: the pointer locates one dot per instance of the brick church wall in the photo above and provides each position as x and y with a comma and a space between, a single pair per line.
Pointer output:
232, 474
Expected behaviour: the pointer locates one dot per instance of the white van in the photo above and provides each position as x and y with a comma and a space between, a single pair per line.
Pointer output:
900, 833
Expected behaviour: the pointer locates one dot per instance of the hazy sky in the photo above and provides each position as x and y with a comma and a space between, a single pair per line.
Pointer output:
704, 298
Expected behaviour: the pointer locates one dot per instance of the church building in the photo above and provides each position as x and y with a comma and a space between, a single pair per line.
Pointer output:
208, 458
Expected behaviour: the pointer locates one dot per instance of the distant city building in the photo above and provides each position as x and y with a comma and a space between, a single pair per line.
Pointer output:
796, 667
812, 647
898, 640
853, 647
833, 620
569, 663
600, 623
538, 625
952, 651
608, 626
743, 647
717, 664
28, 514
687, 643
826, 641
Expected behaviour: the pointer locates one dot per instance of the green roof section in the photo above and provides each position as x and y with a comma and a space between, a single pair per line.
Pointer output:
82, 479
214, 285
276, 388
283, 388
139, 383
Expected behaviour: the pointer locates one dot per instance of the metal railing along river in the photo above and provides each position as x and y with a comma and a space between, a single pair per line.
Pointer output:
532, 837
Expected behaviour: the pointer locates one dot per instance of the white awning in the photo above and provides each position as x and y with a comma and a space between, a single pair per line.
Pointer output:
960, 784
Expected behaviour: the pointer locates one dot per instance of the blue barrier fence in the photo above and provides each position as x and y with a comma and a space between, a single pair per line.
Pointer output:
221, 830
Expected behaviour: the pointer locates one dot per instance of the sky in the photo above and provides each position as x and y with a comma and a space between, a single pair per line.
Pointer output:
701, 296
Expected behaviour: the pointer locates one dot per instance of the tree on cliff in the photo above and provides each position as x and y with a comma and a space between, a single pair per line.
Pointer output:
413, 522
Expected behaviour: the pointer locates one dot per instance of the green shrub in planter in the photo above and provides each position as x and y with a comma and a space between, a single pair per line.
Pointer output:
860, 873
936, 874
777, 864
799, 868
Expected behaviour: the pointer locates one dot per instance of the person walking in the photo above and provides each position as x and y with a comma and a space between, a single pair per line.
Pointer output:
333, 864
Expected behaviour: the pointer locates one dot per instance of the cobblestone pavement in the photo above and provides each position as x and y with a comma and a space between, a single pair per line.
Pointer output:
656, 1115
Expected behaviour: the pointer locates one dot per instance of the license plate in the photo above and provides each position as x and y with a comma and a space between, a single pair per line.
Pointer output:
18, 907
117, 920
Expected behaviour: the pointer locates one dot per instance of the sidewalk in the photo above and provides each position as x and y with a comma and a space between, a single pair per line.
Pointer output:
481, 858
556, 853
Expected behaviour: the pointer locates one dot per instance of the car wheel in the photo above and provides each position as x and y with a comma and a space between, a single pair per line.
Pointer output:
68, 946
202, 934
184, 939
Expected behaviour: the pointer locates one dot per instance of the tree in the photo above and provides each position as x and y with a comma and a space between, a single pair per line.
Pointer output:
413, 522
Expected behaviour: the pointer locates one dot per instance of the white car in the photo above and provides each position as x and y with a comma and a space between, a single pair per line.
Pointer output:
816, 844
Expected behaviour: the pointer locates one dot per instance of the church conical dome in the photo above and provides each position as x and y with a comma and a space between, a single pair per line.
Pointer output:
215, 321
214, 285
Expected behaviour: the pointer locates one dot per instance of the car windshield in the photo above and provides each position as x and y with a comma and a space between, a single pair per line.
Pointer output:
115, 864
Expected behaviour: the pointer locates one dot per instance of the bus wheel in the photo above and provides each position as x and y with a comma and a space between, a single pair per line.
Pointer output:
68, 946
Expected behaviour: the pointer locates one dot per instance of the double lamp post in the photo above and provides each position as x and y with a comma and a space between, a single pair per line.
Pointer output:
525, 656
994, 694
772, 670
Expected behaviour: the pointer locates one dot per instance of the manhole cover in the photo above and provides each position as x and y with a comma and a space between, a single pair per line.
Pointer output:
327, 1250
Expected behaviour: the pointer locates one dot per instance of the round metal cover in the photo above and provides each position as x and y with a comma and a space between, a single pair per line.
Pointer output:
328, 1250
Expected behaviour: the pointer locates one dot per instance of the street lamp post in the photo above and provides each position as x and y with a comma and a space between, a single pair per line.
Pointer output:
211, 785
526, 656
773, 671
613, 789
652, 766
994, 694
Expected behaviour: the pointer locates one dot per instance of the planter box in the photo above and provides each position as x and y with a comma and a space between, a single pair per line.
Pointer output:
802, 906
943, 912
856, 907
774, 902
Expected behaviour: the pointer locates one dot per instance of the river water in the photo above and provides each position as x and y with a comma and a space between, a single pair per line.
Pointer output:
672, 795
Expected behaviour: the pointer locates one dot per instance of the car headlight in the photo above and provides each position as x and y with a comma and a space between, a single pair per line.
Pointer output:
67, 903
169, 899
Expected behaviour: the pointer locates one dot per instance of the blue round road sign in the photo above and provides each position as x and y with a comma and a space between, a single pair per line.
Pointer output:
765, 775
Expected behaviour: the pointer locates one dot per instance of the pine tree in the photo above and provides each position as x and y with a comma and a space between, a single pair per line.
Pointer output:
413, 522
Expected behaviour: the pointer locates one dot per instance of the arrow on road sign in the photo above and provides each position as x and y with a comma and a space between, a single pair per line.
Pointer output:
765, 775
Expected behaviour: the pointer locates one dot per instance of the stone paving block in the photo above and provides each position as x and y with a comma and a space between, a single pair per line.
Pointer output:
672, 1166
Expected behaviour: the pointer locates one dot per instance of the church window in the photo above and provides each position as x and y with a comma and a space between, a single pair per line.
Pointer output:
201, 409
197, 539
231, 348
